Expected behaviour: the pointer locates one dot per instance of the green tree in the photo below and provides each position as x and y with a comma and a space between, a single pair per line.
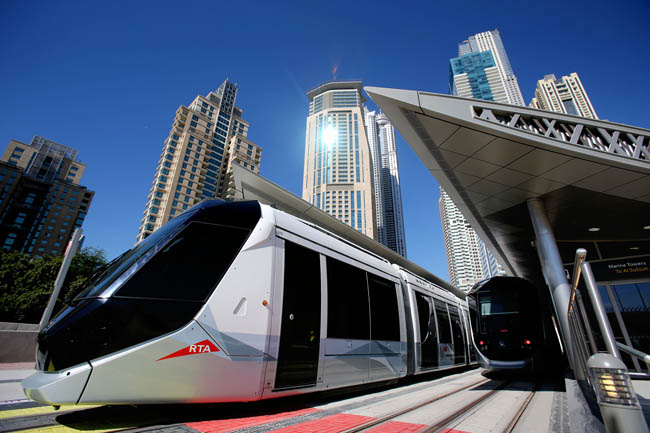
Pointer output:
26, 283
13, 265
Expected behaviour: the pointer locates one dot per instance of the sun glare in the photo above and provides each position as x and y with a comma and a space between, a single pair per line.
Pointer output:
329, 135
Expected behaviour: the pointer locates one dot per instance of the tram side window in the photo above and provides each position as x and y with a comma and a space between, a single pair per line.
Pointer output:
347, 301
428, 336
444, 328
457, 331
189, 267
384, 315
424, 315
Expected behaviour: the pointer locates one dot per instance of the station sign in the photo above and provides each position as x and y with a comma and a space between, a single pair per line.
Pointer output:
636, 268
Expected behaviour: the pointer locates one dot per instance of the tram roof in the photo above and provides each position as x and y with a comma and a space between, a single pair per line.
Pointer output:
491, 158
247, 185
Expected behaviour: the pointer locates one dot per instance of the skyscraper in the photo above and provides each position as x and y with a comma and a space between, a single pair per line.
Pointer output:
388, 196
41, 200
338, 173
482, 70
205, 140
461, 245
491, 42
476, 75
563, 96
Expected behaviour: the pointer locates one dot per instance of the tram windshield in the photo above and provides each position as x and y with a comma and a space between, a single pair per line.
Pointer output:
493, 304
98, 286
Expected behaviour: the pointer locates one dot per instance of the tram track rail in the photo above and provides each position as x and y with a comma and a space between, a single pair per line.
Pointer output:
471, 409
517, 417
417, 406
454, 419
465, 410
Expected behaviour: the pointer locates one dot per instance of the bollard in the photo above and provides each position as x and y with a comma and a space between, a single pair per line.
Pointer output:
617, 400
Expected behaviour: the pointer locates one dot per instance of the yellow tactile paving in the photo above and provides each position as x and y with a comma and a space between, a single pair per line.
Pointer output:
38, 411
61, 429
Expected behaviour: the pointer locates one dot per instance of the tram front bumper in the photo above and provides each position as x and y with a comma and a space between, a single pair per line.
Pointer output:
57, 387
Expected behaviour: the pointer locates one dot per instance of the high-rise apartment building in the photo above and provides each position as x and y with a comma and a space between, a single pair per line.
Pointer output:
41, 200
491, 42
338, 168
388, 196
567, 96
205, 140
476, 75
462, 245
482, 70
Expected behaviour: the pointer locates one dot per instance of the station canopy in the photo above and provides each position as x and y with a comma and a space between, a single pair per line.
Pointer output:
592, 175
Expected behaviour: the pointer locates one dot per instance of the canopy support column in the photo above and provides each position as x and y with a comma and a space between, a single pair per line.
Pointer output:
551, 262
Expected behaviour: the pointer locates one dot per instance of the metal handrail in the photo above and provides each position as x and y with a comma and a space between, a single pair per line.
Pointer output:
583, 267
598, 369
634, 352
599, 310
581, 253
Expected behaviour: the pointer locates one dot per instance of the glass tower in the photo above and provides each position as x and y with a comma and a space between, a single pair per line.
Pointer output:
503, 76
338, 173
388, 196
482, 70
475, 75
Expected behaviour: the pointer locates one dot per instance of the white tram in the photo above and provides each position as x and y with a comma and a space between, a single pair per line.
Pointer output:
237, 301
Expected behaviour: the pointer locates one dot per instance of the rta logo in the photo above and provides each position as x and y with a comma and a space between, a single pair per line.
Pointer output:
205, 346
199, 348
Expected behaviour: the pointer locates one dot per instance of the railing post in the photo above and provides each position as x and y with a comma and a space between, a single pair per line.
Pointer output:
581, 255
60, 278
599, 311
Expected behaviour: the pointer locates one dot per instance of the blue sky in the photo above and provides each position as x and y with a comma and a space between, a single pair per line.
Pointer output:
107, 77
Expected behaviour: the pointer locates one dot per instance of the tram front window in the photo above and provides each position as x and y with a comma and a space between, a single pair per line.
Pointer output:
189, 266
493, 304
140, 253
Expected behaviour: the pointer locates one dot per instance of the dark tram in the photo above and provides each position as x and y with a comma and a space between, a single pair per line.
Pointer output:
512, 325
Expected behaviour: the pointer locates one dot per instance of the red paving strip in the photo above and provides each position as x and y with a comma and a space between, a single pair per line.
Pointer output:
400, 427
228, 425
329, 424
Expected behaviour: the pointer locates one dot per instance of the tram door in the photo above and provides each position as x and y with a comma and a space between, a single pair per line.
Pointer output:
428, 331
445, 342
297, 364
460, 341
468, 330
